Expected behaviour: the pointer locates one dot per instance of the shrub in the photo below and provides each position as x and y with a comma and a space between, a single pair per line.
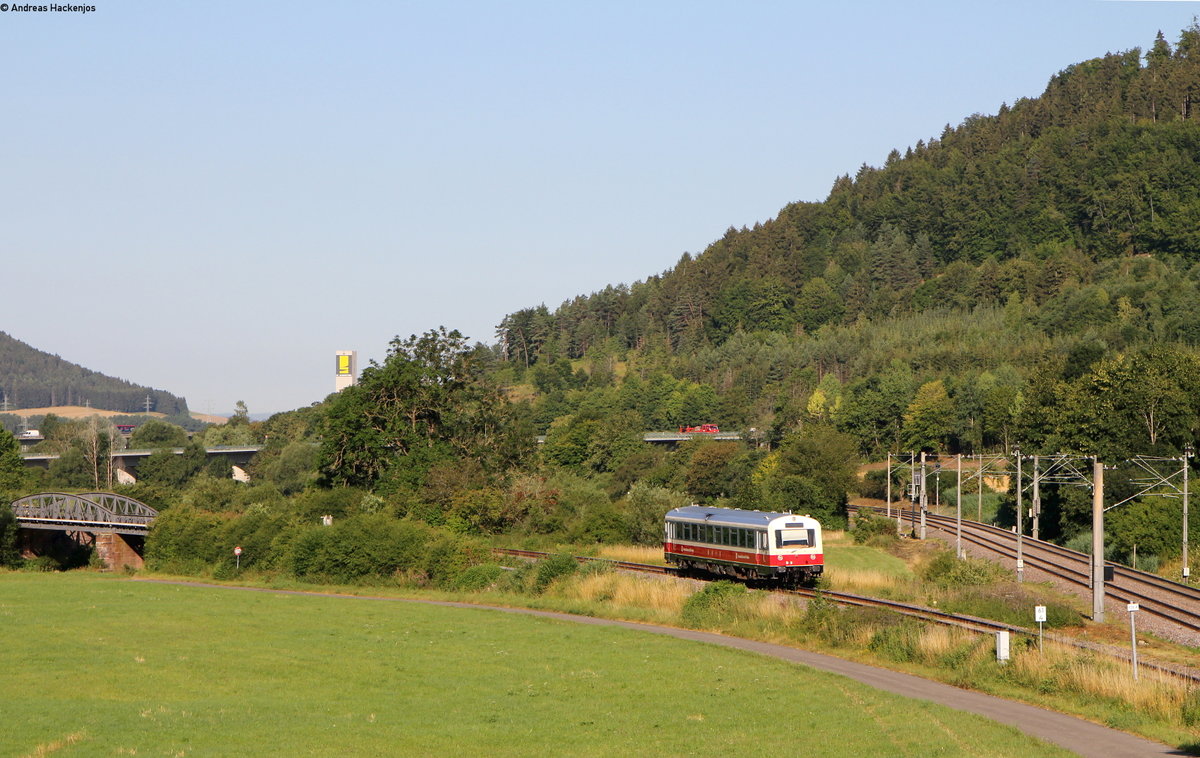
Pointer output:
479, 577
184, 539
1191, 707
603, 524
552, 568
898, 642
874, 484
645, 507
359, 547
1009, 603
717, 604
866, 527
948, 571
447, 557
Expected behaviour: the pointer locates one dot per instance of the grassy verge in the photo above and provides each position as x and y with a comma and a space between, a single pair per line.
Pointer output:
101, 666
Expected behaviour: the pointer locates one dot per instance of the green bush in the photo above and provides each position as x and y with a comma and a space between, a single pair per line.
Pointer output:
552, 568
898, 642
1191, 707
1009, 603
948, 571
185, 540
448, 556
826, 620
874, 484
867, 527
479, 577
358, 547
717, 604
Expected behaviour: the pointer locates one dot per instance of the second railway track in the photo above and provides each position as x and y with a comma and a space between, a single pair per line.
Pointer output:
1170, 602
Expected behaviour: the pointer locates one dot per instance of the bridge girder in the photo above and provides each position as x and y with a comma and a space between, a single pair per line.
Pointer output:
92, 511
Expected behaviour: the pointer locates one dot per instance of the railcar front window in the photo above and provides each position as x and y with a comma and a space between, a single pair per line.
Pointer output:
793, 537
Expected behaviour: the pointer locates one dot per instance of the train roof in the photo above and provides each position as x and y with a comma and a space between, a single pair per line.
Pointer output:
728, 515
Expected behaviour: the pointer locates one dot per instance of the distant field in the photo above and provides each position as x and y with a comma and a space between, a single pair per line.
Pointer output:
98, 665
79, 411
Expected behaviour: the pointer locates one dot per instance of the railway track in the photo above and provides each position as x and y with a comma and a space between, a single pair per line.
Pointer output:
923, 613
1170, 602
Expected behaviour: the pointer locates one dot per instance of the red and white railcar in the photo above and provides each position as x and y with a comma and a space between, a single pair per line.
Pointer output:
782, 548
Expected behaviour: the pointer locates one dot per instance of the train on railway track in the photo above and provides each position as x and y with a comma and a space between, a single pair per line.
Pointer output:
781, 549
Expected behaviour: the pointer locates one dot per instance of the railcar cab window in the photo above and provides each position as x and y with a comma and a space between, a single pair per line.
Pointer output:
794, 537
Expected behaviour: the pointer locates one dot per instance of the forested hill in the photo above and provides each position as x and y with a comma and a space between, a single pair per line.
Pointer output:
1065, 227
31, 378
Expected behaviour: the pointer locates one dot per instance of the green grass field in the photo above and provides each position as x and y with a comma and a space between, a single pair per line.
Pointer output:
100, 666
862, 558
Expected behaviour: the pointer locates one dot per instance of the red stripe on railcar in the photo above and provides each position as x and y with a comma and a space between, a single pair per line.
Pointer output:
716, 553
741, 556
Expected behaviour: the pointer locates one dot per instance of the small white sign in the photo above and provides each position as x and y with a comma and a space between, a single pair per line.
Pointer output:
237, 551
1039, 613
1132, 607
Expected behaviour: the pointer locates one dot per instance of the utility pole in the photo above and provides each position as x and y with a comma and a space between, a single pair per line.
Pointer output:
958, 511
1020, 524
913, 497
889, 484
1037, 499
147, 403
1187, 454
979, 499
1097, 541
924, 496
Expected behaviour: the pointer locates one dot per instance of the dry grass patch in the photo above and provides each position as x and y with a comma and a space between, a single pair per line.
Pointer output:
938, 642
626, 590
56, 745
1059, 667
632, 554
835, 537
863, 580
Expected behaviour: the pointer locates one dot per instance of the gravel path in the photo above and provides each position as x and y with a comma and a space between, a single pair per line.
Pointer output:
1082, 737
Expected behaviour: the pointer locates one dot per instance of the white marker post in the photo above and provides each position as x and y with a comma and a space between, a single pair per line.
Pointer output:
1039, 615
237, 553
1133, 608
1002, 652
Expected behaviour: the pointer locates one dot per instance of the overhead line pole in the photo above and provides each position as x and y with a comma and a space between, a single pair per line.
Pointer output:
1037, 499
1020, 525
889, 484
1187, 454
924, 496
1097, 541
958, 511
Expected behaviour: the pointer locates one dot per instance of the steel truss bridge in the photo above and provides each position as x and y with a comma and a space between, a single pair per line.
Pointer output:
88, 512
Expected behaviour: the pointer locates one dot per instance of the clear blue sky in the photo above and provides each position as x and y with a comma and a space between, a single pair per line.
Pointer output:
212, 197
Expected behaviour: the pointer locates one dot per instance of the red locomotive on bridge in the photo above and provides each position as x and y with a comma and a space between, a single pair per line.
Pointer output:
702, 429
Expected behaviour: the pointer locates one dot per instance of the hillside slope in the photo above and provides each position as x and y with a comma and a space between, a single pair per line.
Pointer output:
1031, 276
1104, 164
32, 378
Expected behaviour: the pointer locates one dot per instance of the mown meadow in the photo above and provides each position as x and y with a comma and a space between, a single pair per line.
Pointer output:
107, 666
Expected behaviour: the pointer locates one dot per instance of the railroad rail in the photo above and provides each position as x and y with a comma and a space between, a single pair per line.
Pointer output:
971, 623
1175, 603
